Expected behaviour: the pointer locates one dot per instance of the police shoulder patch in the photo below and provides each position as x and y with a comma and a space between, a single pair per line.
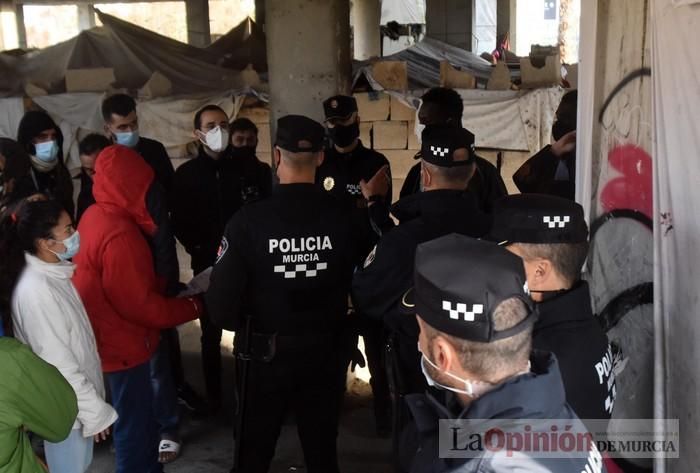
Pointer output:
370, 257
223, 247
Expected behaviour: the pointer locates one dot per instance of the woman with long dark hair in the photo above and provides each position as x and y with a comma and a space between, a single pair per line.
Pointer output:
37, 241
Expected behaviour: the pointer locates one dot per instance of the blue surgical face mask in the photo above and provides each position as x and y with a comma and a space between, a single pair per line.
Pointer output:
46, 151
127, 138
72, 244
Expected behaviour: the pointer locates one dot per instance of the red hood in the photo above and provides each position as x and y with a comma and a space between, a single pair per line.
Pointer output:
122, 180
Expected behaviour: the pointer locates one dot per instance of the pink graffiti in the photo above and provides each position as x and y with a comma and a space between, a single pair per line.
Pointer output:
632, 190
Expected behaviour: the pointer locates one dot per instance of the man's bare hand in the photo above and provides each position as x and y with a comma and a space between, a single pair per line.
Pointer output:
378, 185
564, 145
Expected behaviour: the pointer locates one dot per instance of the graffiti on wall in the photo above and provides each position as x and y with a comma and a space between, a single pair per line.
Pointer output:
621, 259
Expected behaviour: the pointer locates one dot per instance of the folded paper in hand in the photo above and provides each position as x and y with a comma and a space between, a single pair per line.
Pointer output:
198, 284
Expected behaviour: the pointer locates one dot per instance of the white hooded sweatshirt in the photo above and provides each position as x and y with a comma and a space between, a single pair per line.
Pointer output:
48, 315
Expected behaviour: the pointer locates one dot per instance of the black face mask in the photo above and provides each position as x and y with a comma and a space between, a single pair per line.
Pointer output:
243, 151
343, 136
561, 127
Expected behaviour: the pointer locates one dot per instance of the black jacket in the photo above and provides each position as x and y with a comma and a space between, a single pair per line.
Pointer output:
207, 193
287, 262
56, 184
388, 271
340, 176
387, 274
566, 327
535, 395
154, 153
538, 175
85, 198
486, 184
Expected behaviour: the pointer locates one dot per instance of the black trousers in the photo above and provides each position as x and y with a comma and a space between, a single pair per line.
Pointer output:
302, 381
375, 338
211, 358
172, 339
412, 379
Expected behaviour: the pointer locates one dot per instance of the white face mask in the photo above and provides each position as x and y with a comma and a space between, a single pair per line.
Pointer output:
472, 389
216, 139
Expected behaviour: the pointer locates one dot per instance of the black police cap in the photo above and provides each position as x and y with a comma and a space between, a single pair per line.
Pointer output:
539, 219
297, 133
459, 282
439, 143
339, 107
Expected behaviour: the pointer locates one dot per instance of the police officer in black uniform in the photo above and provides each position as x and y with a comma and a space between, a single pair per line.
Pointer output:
287, 263
443, 106
347, 161
443, 207
551, 235
475, 320
347, 169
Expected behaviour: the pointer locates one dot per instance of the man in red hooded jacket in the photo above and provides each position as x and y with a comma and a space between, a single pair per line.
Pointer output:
124, 300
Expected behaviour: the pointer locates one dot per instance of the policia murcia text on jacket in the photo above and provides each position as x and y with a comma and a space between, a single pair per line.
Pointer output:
551, 235
287, 316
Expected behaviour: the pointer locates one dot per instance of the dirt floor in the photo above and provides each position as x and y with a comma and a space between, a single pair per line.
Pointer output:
209, 441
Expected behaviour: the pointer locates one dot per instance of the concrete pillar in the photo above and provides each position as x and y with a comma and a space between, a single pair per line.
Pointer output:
308, 55
569, 12
86, 16
451, 21
504, 17
260, 13
367, 17
2, 33
21, 29
197, 12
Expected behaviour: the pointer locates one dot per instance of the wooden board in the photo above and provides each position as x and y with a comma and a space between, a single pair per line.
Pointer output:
392, 75
454, 78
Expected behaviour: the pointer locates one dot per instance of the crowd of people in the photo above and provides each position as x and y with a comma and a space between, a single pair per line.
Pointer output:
470, 302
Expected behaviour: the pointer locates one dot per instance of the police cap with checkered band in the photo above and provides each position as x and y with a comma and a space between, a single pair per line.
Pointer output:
299, 134
538, 219
460, 281
439, 143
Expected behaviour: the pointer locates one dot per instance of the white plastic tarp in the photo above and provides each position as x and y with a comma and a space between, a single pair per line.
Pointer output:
404, 12
485, 26
676, 104
505, 120
11, 112
423, 63
133, 52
